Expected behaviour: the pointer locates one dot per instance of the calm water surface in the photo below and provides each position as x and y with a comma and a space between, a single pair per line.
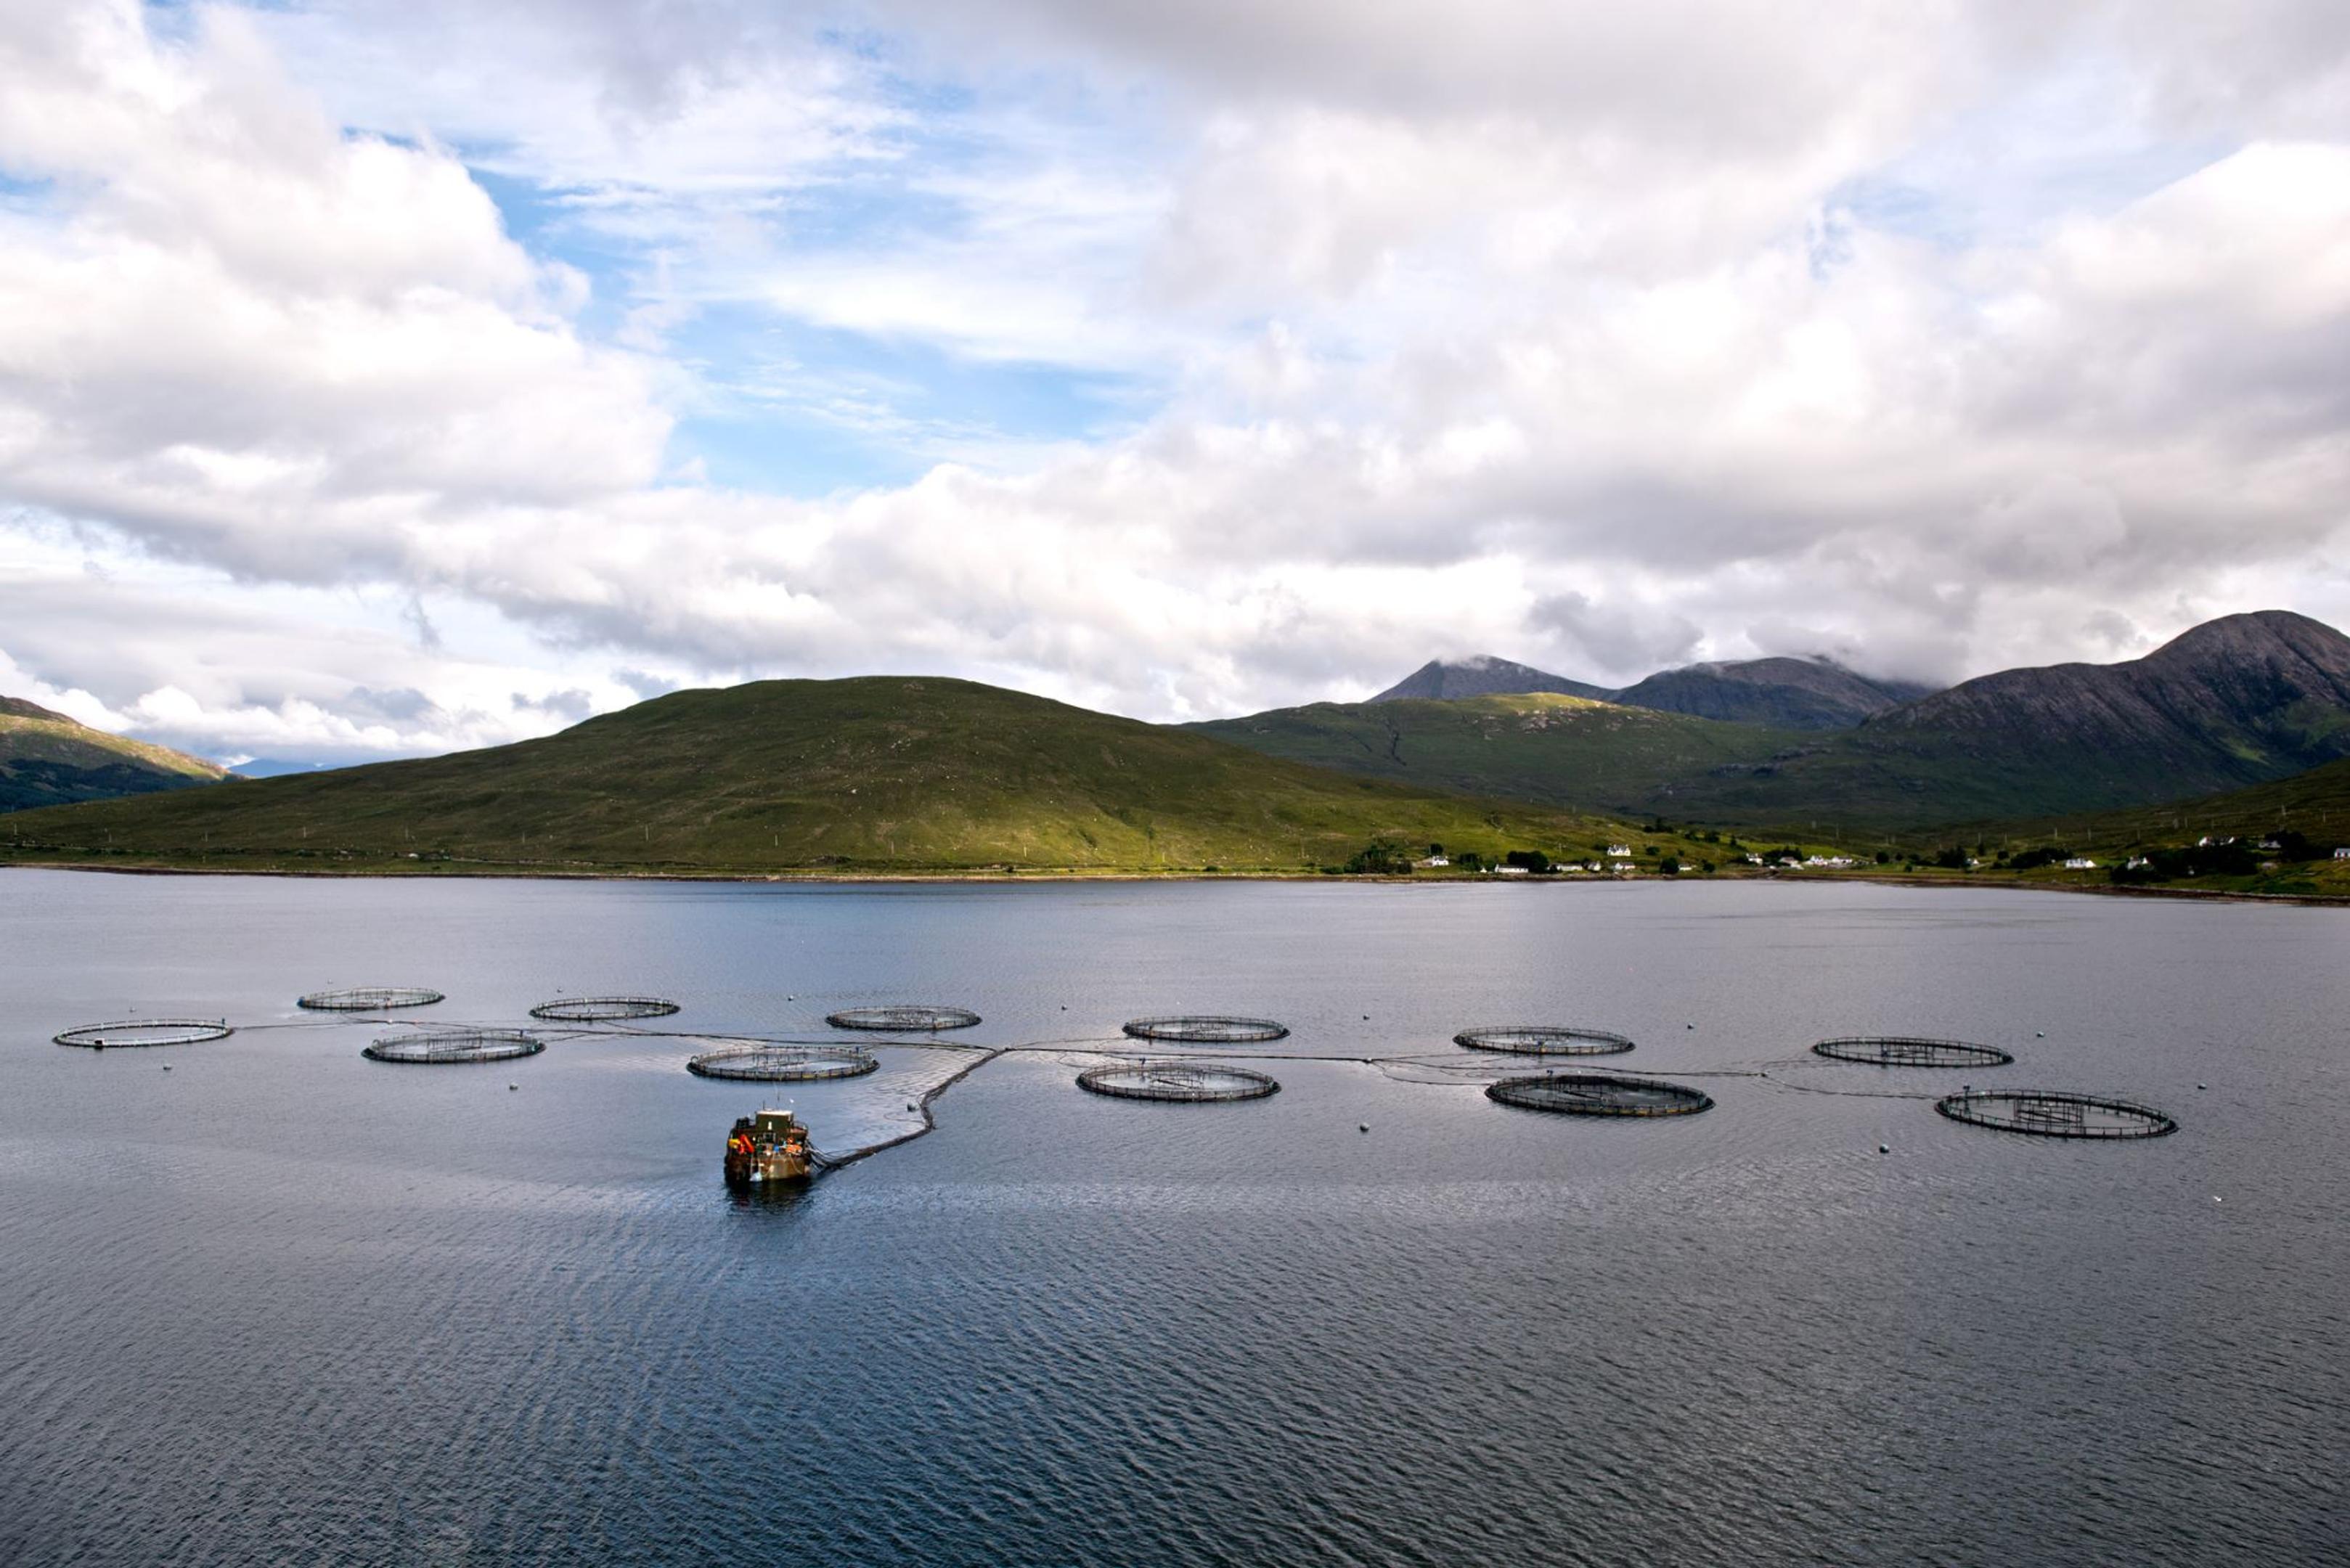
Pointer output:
283, 1305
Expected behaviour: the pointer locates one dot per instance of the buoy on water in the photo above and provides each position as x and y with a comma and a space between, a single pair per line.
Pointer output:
1362, 1126
1884, 1148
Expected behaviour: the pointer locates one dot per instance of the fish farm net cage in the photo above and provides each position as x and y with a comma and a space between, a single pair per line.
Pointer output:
783, 1063
903, 1019
1542, 1040
603, 1009
2049, 1114
1207, 1031
369, 999
1599, 1095
437, 1046
1188, 1082
1911, 1051
146, 1031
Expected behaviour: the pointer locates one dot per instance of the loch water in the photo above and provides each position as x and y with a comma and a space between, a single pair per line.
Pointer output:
282, 1303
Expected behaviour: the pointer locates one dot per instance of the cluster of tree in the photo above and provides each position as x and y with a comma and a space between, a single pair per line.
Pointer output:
2229, 860
1378, 859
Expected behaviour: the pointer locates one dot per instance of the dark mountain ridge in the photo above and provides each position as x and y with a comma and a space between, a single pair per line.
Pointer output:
1482, 675
1782, 692
1787, 693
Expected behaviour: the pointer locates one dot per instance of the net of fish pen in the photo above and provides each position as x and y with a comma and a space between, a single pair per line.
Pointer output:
603, 1009
369, 999
916, 1020
783, 1063
1599, 1095
1911, 1051
1189, 1082
439, 1047
146, 1031
1207, 1030
2049, 1114
1542, 1040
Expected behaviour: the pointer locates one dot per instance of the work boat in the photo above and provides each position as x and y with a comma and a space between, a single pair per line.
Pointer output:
770, 1147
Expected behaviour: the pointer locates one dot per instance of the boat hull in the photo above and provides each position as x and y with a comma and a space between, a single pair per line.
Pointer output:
753, 1169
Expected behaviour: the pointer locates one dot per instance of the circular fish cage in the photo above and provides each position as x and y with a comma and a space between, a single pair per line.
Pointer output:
1188, 1083
783, 1064
1542, 1040
903, 1019
2046, 1113
369, 999
145, 1032
1207, 1031
440, 1046
603, 1009
1911, 1051
1599, 1095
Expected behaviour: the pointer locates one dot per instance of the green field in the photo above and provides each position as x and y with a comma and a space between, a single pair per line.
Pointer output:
876, 774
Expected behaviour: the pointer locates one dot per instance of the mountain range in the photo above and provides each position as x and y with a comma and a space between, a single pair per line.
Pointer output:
883, 773
2238, 700
871, 774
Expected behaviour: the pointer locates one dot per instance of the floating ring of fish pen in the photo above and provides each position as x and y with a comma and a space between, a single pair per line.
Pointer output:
369, 999
1188, 1083
1207, 1030
1911, 1051
2047, 1113
1542, 1040
1599, 1095
903, 1019
439, 1047
132, 1032
603, 1009
783, 1064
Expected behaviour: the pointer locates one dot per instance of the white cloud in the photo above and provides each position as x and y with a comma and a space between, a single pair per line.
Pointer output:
1584, 334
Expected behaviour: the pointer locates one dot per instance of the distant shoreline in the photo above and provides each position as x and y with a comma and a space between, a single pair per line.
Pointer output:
891, 879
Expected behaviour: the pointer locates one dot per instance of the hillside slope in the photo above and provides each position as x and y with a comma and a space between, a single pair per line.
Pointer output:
881, 772
47, 759
1537, 746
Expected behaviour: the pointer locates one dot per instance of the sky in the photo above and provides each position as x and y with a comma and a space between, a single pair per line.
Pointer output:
387, 379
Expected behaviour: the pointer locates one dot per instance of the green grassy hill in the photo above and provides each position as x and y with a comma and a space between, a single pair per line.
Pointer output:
47, 759
877, 773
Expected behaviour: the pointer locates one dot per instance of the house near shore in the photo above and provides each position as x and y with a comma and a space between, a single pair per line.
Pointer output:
1434, 863
2080, 862
1619, 852
1507, 871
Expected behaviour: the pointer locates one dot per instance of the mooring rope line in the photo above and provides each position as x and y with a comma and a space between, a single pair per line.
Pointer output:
930, 1122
